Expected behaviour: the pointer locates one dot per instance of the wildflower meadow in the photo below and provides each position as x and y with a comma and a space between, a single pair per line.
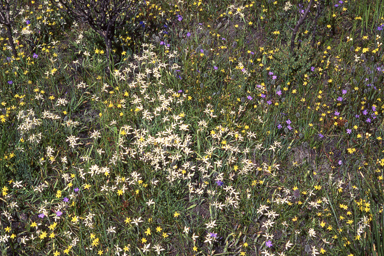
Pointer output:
191, 127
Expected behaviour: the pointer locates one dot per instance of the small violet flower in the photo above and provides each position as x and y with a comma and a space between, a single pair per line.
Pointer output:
213, 235
219, 183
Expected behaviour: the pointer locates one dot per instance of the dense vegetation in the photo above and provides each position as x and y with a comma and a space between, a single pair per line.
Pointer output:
222, 128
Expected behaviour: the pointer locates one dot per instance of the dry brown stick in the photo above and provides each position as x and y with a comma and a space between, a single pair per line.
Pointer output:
301, 20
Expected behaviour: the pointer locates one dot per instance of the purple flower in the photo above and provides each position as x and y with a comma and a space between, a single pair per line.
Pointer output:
357, 116
336, 5
289, 127
349, 131
213, 235
279, 126
161, 43
58, 213
76, 190
321, 135
337, 113
41, 215
188, 34
262, 95
168, 45
288, 121
249, 97
270, 73
202, 51
373, 108
368, 120
274, 77
340, 99
340, 162
252, 53
379, 28
312, 69
278, 93
179, 18
344, 91
340, 2
66, 199
28, 22
215, 67
365, 112
179, 91
269, 102
10, 82
219, 183
35, 56
269, 243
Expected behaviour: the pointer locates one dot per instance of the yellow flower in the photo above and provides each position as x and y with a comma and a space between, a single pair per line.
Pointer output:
148, 232
195, 248
165, 235
100, 252
322, 251
176, 214
43, 235
143, 240
158, 229
120, 192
